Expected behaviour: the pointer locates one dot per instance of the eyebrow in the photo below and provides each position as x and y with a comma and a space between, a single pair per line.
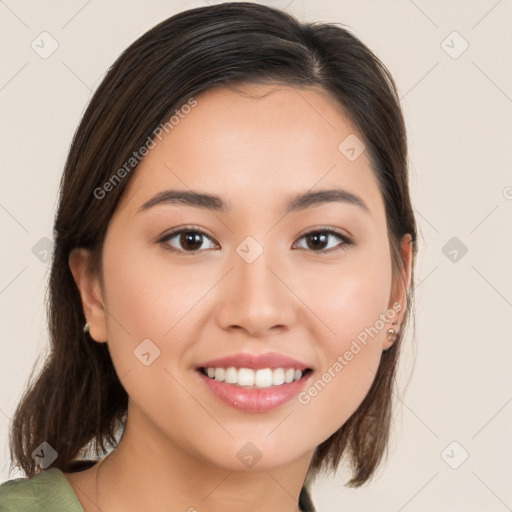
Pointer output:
215, 203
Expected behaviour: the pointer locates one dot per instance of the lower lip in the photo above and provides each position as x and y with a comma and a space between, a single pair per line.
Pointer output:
254, 400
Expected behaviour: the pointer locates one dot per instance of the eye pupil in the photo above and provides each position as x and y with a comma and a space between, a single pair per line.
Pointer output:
191, 240
316, 237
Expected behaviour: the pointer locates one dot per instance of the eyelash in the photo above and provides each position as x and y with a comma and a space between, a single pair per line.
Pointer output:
164, 241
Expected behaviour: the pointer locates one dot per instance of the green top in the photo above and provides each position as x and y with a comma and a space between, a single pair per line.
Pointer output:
48, 491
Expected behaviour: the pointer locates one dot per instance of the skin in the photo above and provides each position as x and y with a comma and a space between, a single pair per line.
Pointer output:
179, 450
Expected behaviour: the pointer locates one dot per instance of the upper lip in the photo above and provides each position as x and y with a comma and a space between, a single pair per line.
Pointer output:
256, 362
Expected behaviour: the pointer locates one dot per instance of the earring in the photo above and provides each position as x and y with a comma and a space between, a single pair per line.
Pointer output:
392, 333
87, 326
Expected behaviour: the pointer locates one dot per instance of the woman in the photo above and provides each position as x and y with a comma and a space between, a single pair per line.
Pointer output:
236, 233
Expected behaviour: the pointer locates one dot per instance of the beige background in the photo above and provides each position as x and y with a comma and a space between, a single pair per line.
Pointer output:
458, 113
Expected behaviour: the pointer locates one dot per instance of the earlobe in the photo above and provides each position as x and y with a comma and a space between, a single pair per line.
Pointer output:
90, 293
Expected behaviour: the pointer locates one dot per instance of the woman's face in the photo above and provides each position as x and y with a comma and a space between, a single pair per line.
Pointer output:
254, 284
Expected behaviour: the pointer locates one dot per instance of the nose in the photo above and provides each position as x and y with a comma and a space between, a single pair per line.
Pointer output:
258, 297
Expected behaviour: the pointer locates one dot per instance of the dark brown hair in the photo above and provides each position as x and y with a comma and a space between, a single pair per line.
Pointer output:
77, 399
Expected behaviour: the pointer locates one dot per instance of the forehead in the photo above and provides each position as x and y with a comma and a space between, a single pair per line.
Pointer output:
265, 142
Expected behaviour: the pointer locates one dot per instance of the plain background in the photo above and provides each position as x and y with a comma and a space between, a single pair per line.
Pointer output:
457, 103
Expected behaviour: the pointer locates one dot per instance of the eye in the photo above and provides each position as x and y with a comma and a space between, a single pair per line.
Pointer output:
191, 240
318, 239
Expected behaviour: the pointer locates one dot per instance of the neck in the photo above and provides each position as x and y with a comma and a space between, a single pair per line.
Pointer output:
140, 471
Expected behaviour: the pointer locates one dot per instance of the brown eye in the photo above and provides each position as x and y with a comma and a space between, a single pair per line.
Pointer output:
318, 241
188, 240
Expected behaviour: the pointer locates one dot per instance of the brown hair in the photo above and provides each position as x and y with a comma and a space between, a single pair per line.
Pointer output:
77, 398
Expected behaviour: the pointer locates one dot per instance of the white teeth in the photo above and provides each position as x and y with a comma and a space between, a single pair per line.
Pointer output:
231, 375
288, 375
219, 373
278, 377
247, 377
263, 378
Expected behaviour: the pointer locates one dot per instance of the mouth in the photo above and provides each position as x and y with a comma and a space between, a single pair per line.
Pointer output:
254, 390
250, 378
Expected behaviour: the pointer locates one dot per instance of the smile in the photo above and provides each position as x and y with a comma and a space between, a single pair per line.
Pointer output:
254, 398
254, 379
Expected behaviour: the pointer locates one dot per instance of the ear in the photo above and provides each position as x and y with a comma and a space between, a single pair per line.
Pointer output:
90, 291
400, 289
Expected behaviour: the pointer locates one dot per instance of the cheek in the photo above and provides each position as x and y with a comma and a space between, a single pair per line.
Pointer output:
143, 294
349, 362
149, 317
351, 296
149, 299
353, 307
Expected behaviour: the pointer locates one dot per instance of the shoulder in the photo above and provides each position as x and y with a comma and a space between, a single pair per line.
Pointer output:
48, 490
